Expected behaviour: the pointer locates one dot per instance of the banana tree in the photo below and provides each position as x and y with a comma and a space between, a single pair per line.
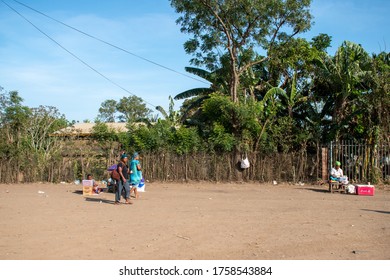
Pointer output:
341, 82
292, 97
195, 97
172, 116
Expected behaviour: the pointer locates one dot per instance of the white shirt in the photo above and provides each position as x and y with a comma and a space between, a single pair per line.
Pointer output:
336, 172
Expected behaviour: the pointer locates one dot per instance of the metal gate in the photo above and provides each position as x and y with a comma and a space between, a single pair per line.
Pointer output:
360, 161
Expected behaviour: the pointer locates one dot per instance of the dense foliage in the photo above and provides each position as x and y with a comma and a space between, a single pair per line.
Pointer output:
304, 98
26, 149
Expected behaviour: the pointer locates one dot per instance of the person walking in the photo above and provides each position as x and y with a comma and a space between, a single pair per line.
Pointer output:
136, 174
123, 170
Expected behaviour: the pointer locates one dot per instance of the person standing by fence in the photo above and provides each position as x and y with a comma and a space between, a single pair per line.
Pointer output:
123, 183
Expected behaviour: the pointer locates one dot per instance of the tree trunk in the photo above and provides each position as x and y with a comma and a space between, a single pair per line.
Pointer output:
290, 111
234, 82
339, 115
237, 161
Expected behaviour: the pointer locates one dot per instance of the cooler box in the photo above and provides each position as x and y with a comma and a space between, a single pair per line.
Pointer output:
87, 187
365, 190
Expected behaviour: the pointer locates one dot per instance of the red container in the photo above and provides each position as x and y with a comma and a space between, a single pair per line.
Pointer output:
365, 190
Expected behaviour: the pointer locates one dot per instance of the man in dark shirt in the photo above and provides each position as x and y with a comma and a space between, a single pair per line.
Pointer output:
123, 183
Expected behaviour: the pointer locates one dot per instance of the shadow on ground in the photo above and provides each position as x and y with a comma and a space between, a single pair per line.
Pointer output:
96, 199
99, 200
377, 211
314, 190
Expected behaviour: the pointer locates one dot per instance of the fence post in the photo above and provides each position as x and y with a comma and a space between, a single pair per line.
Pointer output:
330, 155
324, 163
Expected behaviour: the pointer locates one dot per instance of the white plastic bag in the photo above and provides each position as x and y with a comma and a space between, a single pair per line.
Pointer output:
141, 185
344, 180
351, 189
245, 163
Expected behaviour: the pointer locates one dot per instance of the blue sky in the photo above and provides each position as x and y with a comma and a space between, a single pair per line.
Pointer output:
44, 74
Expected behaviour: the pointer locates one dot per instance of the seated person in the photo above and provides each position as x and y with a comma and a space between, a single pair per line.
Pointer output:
336, 172
95, 186
111, 184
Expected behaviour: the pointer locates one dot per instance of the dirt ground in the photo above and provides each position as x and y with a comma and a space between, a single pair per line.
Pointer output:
194, 221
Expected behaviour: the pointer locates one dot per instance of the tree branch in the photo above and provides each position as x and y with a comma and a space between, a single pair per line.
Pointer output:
247, 31
224, 27
251, 64
278, 26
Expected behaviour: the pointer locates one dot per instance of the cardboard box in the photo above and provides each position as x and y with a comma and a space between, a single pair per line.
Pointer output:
87, 187
87, 190
365, 190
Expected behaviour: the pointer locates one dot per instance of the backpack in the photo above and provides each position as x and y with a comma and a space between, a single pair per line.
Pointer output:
115, 174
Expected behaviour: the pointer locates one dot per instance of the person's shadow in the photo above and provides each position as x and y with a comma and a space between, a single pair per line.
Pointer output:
98, 200
377, 211
314, 190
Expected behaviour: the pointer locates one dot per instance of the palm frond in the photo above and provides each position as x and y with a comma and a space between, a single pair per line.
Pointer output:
162, 111
294, 90
194, 92
200, 73
275, 91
